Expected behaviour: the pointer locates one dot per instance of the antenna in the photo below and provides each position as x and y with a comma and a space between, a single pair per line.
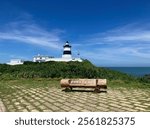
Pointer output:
78, 54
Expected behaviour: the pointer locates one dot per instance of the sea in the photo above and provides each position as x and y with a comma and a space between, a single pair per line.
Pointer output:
135, 71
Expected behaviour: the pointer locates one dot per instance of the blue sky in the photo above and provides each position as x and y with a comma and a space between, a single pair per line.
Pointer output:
107, 32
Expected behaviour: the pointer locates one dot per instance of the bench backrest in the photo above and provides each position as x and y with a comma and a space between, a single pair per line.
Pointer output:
83, 82
101, 82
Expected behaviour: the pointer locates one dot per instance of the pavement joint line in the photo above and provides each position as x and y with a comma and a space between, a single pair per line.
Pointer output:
53, 99
2, 106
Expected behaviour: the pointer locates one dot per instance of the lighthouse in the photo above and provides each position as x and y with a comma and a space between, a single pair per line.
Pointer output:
67, 51
66, 56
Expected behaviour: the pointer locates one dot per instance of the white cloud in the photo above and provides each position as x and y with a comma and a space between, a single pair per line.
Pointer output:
31, 34
129, 44
124, 34
130, 36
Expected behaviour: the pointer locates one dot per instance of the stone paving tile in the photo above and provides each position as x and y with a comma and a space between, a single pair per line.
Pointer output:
56, 100
2, 107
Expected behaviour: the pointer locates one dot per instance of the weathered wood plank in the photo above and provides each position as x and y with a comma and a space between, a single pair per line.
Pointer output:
85, 83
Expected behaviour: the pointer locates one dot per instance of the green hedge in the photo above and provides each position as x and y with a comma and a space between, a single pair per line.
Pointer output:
51, 69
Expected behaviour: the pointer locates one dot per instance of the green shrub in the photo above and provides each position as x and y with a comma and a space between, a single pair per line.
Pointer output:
52, 69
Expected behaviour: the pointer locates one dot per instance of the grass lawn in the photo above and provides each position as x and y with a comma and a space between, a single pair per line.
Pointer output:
46, 83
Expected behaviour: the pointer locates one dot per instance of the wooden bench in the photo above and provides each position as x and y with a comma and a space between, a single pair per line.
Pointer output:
97, 84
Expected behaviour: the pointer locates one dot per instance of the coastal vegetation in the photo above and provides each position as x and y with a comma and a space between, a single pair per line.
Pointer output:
52, 69
145, 78
58, 70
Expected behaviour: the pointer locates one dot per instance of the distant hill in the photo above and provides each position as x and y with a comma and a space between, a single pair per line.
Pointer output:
83, 69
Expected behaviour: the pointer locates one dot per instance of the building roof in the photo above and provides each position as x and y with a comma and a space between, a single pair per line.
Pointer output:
43, 56
67, 44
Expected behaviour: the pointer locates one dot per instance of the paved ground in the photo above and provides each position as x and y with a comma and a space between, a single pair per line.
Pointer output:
2, 107
56, 100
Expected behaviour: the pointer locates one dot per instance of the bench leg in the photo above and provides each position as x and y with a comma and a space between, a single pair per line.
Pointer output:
67, 89
97, 90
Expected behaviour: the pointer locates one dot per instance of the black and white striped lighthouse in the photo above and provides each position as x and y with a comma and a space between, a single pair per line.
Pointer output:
67, 51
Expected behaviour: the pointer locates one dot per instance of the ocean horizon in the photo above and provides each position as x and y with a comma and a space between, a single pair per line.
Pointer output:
134, 71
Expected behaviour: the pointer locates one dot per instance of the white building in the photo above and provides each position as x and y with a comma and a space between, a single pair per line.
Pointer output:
66, 56
41, 58
15, 62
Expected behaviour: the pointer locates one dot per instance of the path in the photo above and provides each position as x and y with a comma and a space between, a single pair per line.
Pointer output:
56, 100
2, 107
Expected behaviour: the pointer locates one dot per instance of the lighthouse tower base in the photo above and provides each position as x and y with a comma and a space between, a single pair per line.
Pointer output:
67, 56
